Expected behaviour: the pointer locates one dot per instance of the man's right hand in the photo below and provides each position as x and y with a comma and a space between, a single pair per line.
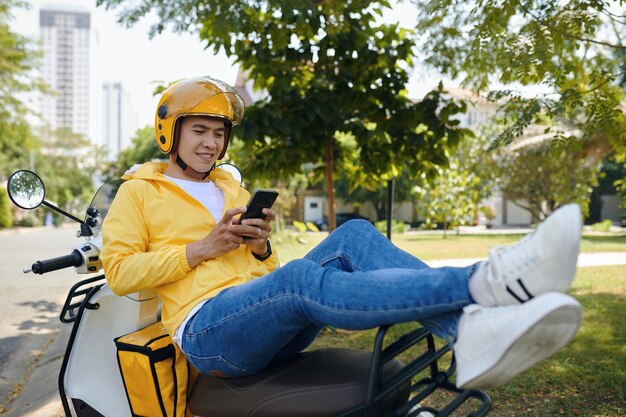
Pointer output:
225, 237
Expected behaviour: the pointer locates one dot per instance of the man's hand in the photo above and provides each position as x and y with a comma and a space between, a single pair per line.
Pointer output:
256, 238
225, 237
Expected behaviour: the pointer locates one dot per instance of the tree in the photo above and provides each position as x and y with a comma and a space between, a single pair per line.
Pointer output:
142, 149
542, 179
18, 58
444, 201
357, 192
574, 50
328, 67
66, 163
453, 198
377, 197
6, 218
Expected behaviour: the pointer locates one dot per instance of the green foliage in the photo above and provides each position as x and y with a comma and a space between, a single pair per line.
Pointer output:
300, 226
453, 198
377, 196
143, 148
574, 50
541, 180
489, 212
66, 165
603, 226
6, 218
445, 201
29, 220
313, 228
285, 204
68, 182
18, 58
397, 226
612, 173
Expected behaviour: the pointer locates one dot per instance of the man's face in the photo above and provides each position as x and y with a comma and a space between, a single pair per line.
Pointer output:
201, 141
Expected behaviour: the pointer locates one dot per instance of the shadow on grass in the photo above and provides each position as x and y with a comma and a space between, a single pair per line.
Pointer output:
587, 378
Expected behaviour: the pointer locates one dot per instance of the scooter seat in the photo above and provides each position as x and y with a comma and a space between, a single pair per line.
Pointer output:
320, 383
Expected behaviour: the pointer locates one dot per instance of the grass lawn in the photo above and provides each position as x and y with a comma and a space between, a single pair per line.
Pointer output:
428, 246
587, 378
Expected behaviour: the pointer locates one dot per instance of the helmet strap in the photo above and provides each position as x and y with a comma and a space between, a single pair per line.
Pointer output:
193, 172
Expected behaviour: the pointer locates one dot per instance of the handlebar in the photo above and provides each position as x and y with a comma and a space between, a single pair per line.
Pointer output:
49, 265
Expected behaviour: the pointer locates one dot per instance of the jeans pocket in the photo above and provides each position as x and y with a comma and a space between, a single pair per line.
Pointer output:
219, 366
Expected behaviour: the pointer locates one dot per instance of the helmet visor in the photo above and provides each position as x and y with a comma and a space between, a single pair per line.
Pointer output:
209, 97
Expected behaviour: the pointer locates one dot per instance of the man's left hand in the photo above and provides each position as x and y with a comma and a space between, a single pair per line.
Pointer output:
258, 232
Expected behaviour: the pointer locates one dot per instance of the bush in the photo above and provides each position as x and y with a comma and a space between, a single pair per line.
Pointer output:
397, 226
310, 226
300, 226
29, 220
6, 218
601, 226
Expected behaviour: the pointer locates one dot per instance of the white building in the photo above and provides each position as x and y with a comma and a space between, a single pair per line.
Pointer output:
119, 120
68, 44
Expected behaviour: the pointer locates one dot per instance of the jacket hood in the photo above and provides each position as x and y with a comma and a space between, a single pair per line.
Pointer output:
155, 171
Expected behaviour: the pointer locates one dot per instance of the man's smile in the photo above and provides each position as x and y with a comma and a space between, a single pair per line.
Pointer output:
206, 156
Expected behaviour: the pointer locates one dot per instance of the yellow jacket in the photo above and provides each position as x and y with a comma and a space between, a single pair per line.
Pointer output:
145, 234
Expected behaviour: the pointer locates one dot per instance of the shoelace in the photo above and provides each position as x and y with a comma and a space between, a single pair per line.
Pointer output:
510, 260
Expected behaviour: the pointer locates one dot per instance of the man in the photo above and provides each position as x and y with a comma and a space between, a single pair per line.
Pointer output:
232, 310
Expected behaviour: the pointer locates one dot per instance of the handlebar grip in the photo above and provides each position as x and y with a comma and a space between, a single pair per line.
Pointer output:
49, 265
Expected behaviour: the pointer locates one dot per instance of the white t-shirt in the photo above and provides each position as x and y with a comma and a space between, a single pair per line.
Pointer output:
206, 192
211, 197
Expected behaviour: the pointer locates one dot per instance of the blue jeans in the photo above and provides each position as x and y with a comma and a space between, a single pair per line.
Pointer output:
355, 279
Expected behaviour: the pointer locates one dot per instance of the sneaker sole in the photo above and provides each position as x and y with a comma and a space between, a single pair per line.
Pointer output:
551, 329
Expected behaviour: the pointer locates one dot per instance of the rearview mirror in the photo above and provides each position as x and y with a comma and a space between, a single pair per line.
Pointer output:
26, 189
234, 171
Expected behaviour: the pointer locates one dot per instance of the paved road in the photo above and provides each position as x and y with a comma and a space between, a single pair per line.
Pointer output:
31, 345
32, 341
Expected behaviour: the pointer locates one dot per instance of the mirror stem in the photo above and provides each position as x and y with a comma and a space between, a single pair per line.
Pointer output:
53, 207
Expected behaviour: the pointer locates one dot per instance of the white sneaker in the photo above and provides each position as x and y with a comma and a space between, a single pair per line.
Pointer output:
543, 261
494, 344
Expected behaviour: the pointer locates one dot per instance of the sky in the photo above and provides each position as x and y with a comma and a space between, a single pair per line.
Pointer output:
130, 57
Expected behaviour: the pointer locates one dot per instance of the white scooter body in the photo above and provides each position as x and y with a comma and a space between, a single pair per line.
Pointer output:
92, 375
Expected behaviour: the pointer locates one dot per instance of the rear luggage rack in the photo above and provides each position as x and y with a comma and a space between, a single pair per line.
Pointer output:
436, 382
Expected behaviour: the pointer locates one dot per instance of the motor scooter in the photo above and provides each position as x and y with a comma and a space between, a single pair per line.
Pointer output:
318, 383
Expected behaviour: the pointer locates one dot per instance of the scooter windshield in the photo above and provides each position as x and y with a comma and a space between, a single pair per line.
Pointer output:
101, 202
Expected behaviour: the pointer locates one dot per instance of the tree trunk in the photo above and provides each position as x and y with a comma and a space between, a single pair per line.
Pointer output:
330, 190
389, 207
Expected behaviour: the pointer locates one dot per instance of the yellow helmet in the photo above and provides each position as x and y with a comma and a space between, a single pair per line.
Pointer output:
199, 96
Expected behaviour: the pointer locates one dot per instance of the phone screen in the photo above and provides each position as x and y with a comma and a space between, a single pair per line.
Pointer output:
260, 199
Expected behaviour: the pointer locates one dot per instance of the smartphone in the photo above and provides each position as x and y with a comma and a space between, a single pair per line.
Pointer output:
260, 199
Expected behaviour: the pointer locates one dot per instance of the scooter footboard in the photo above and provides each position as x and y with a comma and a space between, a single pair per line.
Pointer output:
429, 384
